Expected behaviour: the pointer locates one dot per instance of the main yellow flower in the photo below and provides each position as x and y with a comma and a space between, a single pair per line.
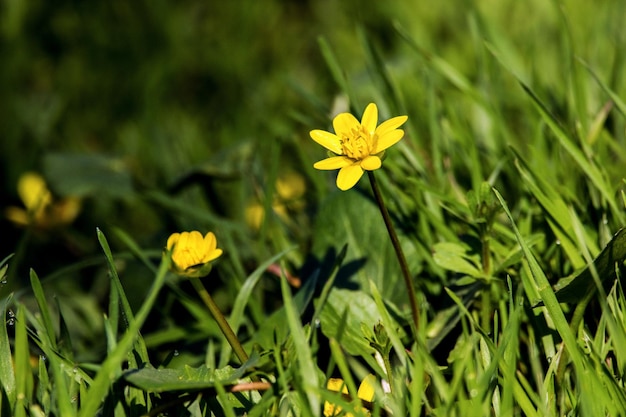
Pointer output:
357, 145
192, 253
365, 392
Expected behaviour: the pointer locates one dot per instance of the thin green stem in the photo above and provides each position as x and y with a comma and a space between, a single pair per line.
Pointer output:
220, 319
404, 267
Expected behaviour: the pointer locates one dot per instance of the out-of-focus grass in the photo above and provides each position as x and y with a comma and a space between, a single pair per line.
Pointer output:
162, 117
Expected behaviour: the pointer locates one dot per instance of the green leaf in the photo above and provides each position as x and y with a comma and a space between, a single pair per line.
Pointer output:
275, 328
342, 316
574, 288
454, 257
99, 175
185, 379
350, 217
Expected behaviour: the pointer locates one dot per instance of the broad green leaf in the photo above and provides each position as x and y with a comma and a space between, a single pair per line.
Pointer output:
342, 316
351, 218
185, 379
574, 288
99, 174
454, 257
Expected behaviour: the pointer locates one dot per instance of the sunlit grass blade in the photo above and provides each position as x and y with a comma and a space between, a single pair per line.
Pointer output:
7, 373
236, 315
309, 384
23, 371
337, 72
118, 297
110, 368
588, 167
585, 376
43, 309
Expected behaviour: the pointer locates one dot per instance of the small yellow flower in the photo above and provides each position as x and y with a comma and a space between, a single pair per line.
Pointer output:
192, 254
290, 187
40, 208
365, 392
357, 146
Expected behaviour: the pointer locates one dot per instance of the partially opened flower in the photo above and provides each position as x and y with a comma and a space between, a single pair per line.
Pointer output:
192, 253
357, 146
41, 209
365, 393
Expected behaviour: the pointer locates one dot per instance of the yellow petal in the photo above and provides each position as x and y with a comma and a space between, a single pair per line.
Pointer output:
326, 139
336, 384
348, 176
366, 389
371, 163
172, 240
213, 252
387, 140
33, 191
335, 162
370, 118
391, 124
343, 124
17, 215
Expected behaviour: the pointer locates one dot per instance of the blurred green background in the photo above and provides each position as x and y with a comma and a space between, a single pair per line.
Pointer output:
164, 116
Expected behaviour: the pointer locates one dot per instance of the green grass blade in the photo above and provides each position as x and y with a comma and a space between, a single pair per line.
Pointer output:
308, 373
110, 368
337, 72
118, 295
43, 308
23, 372
590, 169
7, 373
545, 291
236, 315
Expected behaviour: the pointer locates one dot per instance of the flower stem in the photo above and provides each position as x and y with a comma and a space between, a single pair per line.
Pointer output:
404, 267
220, 319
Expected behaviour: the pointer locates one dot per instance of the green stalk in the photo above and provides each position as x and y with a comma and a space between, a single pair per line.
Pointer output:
220, 319
404, 267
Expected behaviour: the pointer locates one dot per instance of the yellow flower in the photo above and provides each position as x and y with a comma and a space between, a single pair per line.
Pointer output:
41, 209
290, 188
357, 146
365, 392
192, 254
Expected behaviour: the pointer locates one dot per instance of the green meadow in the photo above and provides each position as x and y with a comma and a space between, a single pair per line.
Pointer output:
203, 214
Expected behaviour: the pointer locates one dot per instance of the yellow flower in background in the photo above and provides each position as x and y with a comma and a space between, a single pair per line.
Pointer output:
290, 187
365, 392
357, 145
192, 253
40, 208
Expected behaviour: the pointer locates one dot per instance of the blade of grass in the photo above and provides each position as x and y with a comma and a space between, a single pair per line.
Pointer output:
336, 72
23, 372
7, 373
243, 296
43, 309
307, 369
110, 368
589, 168
119, 297
588, 381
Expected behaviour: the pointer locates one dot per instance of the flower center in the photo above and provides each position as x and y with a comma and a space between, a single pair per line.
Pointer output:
357, 145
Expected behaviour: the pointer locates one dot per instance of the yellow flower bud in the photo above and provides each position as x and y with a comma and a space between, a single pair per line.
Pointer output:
192, 253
